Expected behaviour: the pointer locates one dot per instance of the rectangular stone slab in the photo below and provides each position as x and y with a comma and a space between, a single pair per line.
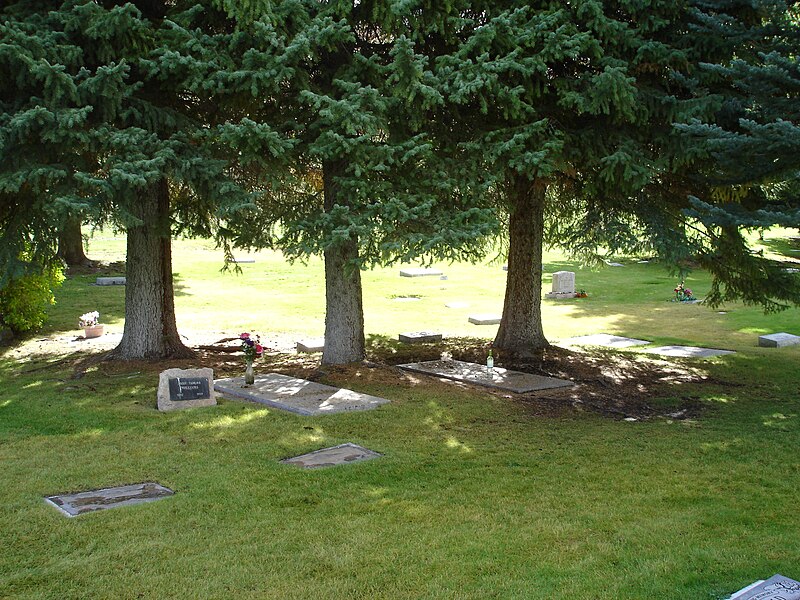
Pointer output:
330, 457
73, 505
498, 378
297, 395
687, 351
419, 337
485, 319
603, 339
312, 345
776, 587
778, 340
110, 281
420, 272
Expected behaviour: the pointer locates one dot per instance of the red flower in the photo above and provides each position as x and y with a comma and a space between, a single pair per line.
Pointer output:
244, 336
259, 348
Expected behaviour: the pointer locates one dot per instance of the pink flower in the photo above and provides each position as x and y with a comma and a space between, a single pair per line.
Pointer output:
259, 348
244, 336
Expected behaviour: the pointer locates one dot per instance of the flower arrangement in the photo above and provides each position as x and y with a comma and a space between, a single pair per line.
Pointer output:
89, 319
683, 294
581, 294
251, 346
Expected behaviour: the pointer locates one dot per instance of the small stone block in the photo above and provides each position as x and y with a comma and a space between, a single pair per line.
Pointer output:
778, 340
414, 337
311, 345
297, 395
776, 587
687, 351
603, 339
330, 457
420, 272
485, 319
73, 505
186, 388
110, 281
499, 378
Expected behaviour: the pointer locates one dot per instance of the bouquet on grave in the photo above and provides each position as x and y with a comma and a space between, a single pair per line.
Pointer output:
682, 293
251, 346
89, 319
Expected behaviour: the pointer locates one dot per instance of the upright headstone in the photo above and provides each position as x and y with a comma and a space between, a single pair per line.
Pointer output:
563, 285
186, 388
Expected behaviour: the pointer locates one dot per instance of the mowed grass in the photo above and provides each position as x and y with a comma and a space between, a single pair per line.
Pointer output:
477, 494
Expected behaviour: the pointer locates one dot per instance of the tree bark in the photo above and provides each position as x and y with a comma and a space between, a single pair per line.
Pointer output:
344, 312
70, 244
150, 328
520, 333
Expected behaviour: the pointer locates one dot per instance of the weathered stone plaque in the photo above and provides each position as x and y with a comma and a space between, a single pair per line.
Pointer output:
503, 379
419, 337
73, 505
110, 281
297, 395
778, 340
776, 587
186, 388
311, 345
420, 272
485, 319
563, 285
330, 457
687, 351
603, 339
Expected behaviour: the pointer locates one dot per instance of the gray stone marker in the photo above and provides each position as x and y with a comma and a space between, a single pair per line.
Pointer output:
498, 378
311, 345
297, 395
563, 285
414, 337
420, 272
687, 351
73, 505
330, 457
776, 587
615, 264
186, 388
778, 340
604, 339
457, 304
110, 281
505, 267
242, 261
485, 319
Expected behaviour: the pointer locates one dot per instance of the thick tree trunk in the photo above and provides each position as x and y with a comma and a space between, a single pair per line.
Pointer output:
344, 312
150, 329
70, 244
520, 332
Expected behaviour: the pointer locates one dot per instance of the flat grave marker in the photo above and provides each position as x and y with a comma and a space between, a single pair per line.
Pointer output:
244, 261
603, 339
406, 299
487, 319
110, 281
497, 377
186, 388
615, 264
311, 345
73, 505
330, 457
778, 340
419, 337
297, 395
776, 587
687, 351
420, 272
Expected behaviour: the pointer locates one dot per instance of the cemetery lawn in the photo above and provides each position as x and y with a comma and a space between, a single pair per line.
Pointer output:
478, 494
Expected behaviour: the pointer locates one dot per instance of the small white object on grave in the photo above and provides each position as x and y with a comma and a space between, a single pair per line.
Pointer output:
778, 340
110, 281
186, 388
563, 285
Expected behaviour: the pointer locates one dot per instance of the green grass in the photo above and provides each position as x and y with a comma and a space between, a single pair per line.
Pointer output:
477, 495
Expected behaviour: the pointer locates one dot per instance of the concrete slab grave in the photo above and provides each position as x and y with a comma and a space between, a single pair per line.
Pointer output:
420, 272
778, 340
687, 351
330, 457
497, 377
420, 337
110, 281
73, 505
297, 395
311, 345
186, 388
485, 319
603, 339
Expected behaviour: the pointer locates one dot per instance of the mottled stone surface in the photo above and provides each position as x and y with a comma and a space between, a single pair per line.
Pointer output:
297, 395
485, 319
412, 337
499, 378
687, 351
330, 457
603, 339
311, 345
110, 281
778, 340
73, 505
776, 587
168, 400
420, 272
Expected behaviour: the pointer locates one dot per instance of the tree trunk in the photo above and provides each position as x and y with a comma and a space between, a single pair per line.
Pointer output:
70, 244
344, 312
520, 332
150, 329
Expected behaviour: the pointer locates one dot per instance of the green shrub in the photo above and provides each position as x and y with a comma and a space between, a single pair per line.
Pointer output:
23, 301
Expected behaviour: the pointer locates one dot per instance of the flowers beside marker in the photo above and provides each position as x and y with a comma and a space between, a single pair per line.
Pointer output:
252, 349
683, 294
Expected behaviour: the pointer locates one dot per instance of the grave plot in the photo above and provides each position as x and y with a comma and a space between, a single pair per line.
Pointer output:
297, 395
499, 378
419, 337
420, 272
603, 339
311, 345
330, 457
73, 505
687, 351
778, 340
